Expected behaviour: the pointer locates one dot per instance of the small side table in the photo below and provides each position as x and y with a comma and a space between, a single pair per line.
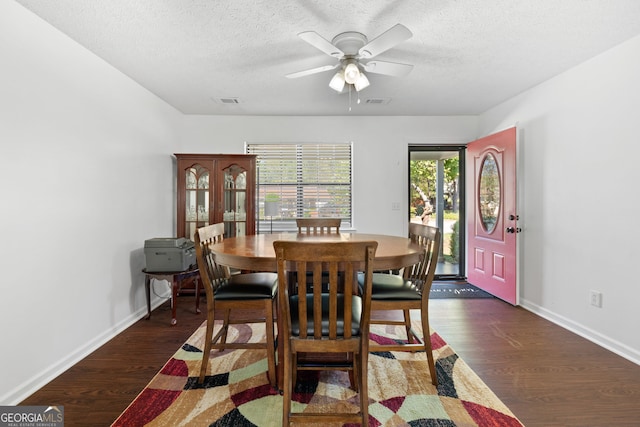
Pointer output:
175, 278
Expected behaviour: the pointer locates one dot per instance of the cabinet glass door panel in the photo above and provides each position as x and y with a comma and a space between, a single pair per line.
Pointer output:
191, 197
241, 229
196, 198
235, 201
203, 206
241, 181
241, 196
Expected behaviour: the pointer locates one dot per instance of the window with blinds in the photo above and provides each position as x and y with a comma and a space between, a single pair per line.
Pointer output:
302, 180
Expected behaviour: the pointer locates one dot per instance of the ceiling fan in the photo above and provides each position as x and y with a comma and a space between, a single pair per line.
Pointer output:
354, 53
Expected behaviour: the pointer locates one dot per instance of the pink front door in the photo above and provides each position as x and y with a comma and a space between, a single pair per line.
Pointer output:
492, 228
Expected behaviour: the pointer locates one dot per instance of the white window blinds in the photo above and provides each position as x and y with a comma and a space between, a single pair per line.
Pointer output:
302, 180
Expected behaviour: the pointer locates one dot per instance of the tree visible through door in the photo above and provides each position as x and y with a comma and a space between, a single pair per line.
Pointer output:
434, 196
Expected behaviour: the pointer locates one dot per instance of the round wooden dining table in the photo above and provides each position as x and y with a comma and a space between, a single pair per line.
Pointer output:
255, 252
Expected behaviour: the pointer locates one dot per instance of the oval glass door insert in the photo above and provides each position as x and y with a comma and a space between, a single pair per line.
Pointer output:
489, 193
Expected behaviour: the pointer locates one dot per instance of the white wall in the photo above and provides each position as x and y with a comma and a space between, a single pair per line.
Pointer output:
580, 147
380, 151
85, 177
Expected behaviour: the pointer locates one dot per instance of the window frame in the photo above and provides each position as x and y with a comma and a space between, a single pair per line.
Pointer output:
331, 182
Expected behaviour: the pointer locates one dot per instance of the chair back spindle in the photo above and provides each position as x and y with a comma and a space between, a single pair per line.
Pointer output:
214, 273
422, 273
318, 225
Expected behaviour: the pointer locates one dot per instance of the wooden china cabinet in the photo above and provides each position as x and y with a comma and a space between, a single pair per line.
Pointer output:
216, 188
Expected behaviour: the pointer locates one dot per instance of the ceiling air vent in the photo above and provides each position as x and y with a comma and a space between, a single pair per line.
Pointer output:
227, 100
374, 101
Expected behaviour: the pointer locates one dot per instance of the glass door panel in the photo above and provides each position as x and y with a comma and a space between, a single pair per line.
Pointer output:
435, 194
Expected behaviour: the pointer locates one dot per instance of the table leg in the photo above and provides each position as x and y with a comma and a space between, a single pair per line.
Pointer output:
147, 288
174, 300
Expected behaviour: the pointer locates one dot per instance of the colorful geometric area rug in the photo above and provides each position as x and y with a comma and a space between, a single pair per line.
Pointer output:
237, 392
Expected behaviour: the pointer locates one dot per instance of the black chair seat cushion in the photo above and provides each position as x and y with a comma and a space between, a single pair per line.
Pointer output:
249, 286
356, 311
391, 287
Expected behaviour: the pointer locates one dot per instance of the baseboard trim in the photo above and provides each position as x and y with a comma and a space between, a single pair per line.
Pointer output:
597, 338
41, 379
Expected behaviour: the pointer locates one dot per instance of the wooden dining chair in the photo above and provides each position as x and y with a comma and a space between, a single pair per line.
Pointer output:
409, 291
254, 293
318, 225
314, 321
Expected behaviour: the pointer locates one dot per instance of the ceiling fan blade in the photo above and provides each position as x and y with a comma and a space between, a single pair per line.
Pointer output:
387, 68
312, 71
385, 41
319, 42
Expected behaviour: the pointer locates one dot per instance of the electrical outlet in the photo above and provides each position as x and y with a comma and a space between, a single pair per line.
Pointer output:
596, 298
395, 206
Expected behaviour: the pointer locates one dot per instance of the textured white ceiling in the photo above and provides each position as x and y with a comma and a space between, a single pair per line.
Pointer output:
469, 55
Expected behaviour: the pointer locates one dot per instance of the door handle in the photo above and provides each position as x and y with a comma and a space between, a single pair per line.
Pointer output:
513, 230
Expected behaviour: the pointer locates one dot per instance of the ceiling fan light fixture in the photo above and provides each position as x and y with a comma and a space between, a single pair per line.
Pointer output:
351, 73
361, 83
350, 48
337, 82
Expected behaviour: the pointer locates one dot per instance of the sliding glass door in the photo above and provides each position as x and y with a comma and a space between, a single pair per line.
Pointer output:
436, 198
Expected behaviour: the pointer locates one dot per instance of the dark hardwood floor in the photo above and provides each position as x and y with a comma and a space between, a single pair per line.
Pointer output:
545, 374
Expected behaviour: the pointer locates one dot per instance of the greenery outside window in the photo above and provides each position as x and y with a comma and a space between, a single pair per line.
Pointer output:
307, 180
